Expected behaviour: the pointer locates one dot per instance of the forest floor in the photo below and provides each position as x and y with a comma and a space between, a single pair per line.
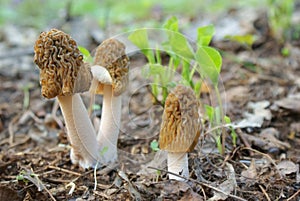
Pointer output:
261, 94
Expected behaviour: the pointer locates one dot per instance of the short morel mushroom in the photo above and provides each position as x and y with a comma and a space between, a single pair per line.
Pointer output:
110, 78
180, 129
63, 74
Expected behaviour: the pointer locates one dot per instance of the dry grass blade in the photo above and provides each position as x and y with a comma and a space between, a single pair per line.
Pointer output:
293, 196
132, 190
265, 192
64, 170
31, 176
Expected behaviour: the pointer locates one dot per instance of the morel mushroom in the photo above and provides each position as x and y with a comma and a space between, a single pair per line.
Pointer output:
180, 129
110, 78
63, 74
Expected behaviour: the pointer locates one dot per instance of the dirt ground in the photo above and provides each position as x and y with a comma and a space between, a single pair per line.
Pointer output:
260, 91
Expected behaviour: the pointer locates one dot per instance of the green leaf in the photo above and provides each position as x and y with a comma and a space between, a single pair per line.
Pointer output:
140, 39
180, 46
210, 112
174, 59
197, 88
247, 39
186, 71
233, 133
177, 42
96, 107
86, 54
210, 62
156, 69
171, 24
154, 145
103, 151
205, 35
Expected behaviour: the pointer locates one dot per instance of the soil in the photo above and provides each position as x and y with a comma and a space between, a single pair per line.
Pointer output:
257, 82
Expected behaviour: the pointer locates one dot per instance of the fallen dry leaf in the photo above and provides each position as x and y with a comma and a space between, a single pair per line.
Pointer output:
172, 187
236, 93
130, 186
287, 167
257, 117
267, 140
248, 176
270, 136
228, 186
292, 102
191, 196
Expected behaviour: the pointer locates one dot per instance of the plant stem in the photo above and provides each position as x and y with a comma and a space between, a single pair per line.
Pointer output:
222, 118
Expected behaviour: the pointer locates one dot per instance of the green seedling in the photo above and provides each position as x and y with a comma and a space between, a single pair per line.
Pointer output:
185, 58
233, 133
21, 177
26, 91
280, 17
86, 54
96, 107
158, 174
103, 151
214, 116
205, 60
285, 52
27, 176
154, 145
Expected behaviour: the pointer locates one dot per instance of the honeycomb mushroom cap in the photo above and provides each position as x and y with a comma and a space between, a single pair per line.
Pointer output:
111, 55
62, 70
180, 128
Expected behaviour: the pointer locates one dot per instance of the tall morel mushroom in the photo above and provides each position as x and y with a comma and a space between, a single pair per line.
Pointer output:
63, 74
110, 72
180, 129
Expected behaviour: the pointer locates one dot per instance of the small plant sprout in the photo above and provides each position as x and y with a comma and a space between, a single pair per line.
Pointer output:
180, 129
154, 145
63, 74
186, 58
280, 17
110, 72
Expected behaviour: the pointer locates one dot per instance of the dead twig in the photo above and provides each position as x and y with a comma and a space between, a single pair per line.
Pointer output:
64, 170
264, 192
31, 176
293, 196
201, 183
102, 195
11, 129
244, 140
23, 141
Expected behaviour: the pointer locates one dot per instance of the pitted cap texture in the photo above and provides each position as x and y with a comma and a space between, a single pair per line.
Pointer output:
60, 63
111, 55
180, 127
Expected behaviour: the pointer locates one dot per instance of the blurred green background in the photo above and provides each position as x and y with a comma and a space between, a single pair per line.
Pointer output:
129, 13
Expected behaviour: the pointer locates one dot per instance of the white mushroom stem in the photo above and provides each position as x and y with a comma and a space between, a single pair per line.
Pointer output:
110, 125
85, 149
178, 164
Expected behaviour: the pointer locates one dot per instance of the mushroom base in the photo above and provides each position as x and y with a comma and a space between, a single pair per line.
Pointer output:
178, 164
